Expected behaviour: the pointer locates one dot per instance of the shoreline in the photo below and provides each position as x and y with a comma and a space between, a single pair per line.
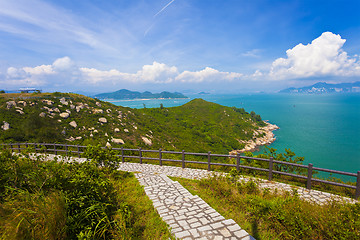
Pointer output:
254, 144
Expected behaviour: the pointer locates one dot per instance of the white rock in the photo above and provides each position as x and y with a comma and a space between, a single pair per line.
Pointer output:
117, 130
10, 104
63, 101
103, 120
146, 141
108, 145
98, 104
118, 141
135, 127
72, 106
108, 110
125, 130
56, 110
6, 126
98, 111
73, 124
22, 102
19, 111
78, 138
64, 115
106, 135
68, 111
96, 131
42, 114
70, 139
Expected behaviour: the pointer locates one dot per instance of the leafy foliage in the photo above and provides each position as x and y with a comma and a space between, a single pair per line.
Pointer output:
58, 200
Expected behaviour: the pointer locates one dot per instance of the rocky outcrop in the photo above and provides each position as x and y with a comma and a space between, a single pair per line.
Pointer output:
63, 101
262, 136
10, 104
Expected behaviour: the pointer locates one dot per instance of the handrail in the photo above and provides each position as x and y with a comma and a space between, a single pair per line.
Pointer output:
57, 148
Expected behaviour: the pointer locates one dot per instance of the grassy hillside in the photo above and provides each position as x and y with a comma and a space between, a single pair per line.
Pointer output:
73, 118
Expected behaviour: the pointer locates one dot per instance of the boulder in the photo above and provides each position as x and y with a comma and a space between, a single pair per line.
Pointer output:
70, 139
72, 106
146, 141
6, 126
103, 120
117, 141
63, 101
117, 130
56, 110
22, 102
108, 110
98, 104
42, 114
68, 111
73, 124
125, 130
98, 111
10, 104
64, 115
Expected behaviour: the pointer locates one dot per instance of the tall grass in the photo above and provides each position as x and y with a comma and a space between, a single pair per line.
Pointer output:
271, 215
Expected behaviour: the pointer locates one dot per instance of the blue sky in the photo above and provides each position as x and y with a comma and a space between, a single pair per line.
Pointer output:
218, 46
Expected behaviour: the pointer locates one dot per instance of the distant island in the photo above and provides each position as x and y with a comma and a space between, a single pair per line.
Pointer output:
125, 94
323, 87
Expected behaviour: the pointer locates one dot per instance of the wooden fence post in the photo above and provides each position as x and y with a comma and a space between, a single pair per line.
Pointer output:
209, 161
160, 157
238, 162
357, 194
19, 147
78, 150
308, 184
183, 159
122, 154
66, 149
55, 152
11, 147
271, 163
140, 155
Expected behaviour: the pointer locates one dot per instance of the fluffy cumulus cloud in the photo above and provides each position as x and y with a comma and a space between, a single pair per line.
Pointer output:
43, 75
324, 56
63, 71
207, 74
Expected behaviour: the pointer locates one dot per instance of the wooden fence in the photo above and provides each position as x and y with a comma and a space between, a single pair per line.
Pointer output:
77, 150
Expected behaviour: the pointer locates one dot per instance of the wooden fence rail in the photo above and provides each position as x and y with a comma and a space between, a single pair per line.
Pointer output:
78, 150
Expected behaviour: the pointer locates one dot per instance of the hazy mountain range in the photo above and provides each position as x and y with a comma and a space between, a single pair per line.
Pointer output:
323, 87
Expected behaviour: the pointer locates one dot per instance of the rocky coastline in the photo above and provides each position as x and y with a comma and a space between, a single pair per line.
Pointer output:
262, 136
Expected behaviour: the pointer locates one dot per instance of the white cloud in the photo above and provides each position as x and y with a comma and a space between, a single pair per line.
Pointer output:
64, 72
207, 74
324, 56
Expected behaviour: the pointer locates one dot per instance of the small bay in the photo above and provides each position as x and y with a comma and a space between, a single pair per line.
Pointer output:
325, 129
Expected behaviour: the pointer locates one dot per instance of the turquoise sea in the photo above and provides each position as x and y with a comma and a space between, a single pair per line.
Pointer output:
325, 129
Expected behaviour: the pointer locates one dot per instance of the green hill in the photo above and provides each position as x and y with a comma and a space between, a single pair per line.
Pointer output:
199, 125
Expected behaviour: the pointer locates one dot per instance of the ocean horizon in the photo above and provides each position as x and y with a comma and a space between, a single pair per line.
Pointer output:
323, 128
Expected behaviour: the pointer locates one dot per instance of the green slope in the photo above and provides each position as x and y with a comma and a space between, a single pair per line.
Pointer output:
196, 126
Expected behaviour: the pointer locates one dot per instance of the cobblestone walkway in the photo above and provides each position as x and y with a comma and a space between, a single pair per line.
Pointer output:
309, 195
188, 216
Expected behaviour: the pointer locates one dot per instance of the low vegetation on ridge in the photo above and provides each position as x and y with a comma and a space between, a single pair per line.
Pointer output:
73, 118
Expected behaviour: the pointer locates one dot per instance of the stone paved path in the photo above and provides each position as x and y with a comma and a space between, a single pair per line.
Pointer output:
309, 195
188, 216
